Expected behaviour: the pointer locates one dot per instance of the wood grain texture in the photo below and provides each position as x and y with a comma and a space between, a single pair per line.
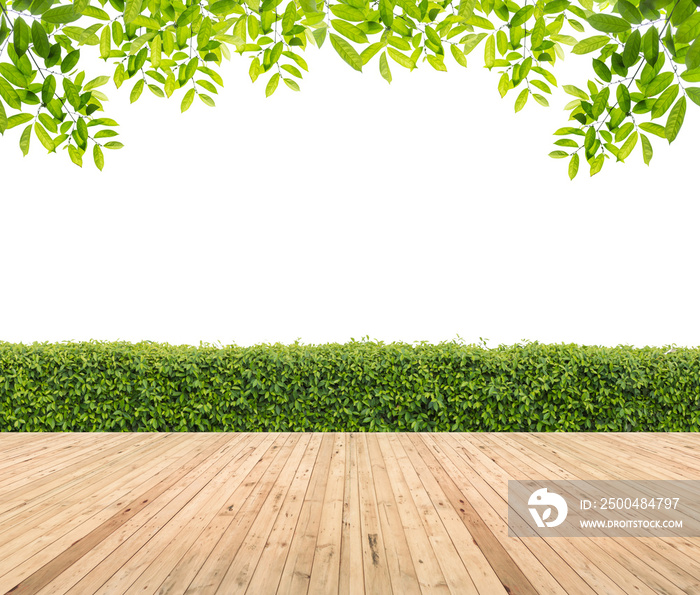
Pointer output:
346, 513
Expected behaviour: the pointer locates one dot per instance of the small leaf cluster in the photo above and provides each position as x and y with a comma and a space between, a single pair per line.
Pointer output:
358, 386
175, 46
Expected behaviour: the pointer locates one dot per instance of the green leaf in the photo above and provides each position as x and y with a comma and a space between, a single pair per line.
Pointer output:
320, 35
132, 8
623, 98
608, 23
521, 100
540, 99
349, 31
627, 148
70, 61
590, 44
597, 164
272, 84
538, 33
558, 154
24, 140
291, 83
466, 8
490, 52
156, 90
632, 46
292, 70
113, 145
187, 100
548, 76
205, 32
75, 155
658, 84
187, 17
650, 45
400, 58
602, 70
694, 94
458, 55
3, 119
98, 157
647, 151
60, 15
522, 16
653, 128
370, 51
40, 40
14, 75
44, 137
573, 166
105, 42
289, 18
692, 56
384, 68
9, 94
664, 101
575, 91
18, 120
689, 29
224, 7
40, 6
207, 100
22, 36
472, 40
156, 51
136, 90
675, 120
255, 69
386, 13
95, 13
629, 12
692, 76
96, 82
347, 52
436, 62
540, 85
140, 41
343, 11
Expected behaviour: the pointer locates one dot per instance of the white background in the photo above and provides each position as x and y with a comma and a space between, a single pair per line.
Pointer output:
424, 210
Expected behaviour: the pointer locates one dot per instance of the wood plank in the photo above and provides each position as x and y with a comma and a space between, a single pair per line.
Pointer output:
514, 564
351, 575
244, 563
217, 563
399, 562
297, 568
246, 477
481, 575
585, 566
325, 570
167, 476
376, 573
296, 514
75, 490
267, 573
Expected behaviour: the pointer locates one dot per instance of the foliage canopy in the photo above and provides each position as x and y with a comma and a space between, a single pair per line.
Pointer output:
174, 46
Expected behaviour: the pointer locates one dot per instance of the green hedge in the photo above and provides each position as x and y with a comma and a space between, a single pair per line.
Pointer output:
358, 386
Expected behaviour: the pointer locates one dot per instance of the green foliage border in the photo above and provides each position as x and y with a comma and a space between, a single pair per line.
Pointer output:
358, 386
173, 45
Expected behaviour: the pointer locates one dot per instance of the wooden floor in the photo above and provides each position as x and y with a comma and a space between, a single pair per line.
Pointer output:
321, 513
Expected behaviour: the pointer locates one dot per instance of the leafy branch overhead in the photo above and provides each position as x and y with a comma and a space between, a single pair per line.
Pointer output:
171, 46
